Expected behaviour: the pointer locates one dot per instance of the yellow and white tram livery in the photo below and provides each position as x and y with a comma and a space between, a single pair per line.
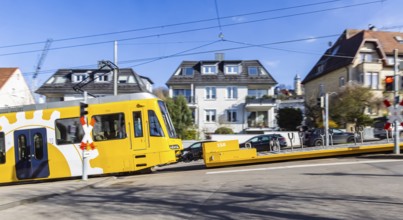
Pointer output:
130, 132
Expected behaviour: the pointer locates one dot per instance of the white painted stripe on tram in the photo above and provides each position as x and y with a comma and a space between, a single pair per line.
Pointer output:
303, 166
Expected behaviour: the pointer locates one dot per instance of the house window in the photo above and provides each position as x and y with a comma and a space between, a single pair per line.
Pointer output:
122, 79
257, 93
209, 69
210, 93
257, 119
231, 115
253, 71
210, 115
321, 68
79, 77
232, 92
366, 57
183, 92
187, 71
341, 81
371, 80
232, 69
102, 77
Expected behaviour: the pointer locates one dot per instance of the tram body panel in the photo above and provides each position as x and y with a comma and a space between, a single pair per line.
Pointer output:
44, 144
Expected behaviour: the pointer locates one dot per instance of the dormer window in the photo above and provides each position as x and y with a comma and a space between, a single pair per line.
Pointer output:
232, 69
321, 68
209, 69
122, 79
253, 71
79, 77
187, 71
103, 77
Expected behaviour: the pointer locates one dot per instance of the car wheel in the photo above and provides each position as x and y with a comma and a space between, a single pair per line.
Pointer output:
318, 142
350, 140
275, 148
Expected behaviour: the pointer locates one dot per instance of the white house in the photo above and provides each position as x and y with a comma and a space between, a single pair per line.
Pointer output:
14, 90
226, 93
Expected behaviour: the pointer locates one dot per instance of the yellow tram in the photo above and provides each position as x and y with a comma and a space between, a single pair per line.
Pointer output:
131, 132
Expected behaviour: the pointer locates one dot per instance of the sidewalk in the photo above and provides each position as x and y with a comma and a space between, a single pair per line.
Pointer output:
15, 195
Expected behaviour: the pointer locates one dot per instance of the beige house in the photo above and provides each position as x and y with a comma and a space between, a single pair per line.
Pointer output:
14, 90
364, 57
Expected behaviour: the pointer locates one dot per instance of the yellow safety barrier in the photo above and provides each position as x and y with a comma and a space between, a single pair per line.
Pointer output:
227, 153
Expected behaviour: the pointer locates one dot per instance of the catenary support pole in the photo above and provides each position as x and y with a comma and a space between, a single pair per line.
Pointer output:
327, 118
396, 94
115, 71
85, 156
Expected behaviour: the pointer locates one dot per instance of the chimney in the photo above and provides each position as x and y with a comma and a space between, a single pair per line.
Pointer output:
219, 56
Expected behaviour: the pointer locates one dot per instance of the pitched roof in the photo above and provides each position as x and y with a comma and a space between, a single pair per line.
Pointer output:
220, 78
343, 52
5, 74
51, 86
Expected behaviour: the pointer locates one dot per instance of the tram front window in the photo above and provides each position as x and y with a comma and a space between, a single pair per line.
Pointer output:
167, 120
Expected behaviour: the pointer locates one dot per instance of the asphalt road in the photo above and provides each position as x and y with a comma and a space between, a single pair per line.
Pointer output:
364, 187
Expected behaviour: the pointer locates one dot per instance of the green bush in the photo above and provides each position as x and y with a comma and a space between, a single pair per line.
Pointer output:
224, 130
190, 134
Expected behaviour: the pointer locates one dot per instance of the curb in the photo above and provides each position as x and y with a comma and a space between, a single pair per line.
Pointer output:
43, 197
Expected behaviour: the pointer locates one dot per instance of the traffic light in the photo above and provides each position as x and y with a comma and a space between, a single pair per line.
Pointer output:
389, 83
320, 102
83, 109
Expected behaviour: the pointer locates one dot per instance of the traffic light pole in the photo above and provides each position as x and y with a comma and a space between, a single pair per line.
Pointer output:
396, 94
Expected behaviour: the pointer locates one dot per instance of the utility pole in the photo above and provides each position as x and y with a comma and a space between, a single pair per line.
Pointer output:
396, 94
115, 71
327, 119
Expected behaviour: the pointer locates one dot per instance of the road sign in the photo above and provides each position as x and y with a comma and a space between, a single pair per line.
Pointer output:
394, 113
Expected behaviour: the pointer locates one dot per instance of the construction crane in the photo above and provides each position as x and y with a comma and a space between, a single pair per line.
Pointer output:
39, 65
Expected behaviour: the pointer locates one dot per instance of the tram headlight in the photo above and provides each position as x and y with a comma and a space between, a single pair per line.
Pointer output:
174, 147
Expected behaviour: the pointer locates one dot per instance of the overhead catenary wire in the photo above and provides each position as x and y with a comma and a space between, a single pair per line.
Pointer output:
197, 29
175, 24
183, 53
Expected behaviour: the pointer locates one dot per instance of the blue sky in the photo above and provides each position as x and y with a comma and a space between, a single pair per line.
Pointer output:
83, 32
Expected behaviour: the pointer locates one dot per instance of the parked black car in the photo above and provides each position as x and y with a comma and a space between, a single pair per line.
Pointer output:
265, 142
193, 152
314, 137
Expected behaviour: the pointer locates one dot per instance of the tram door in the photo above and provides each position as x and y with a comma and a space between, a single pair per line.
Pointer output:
31, 153
139, 140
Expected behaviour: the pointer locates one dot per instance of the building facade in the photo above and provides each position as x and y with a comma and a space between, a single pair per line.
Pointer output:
363, 57
237, 94
14, 90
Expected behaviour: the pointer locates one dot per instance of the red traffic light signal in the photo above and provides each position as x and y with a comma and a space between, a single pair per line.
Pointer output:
389, 83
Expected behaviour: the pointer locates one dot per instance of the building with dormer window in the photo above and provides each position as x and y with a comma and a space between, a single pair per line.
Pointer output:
226, 93
364, 57
59, 87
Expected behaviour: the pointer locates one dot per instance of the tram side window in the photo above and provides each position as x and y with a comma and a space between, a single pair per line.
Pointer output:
138, 124
155, 126
2, 148
109, 127
69, 131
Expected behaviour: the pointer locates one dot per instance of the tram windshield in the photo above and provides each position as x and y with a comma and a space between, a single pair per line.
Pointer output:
167, 120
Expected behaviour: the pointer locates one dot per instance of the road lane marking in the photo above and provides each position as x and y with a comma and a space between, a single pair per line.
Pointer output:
303, 166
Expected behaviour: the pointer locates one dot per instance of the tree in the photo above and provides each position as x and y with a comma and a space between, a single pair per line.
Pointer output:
223, 130
161, 92
289, 118
181, 115
349, 104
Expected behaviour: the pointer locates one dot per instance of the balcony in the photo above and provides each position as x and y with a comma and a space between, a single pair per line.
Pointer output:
259, 104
